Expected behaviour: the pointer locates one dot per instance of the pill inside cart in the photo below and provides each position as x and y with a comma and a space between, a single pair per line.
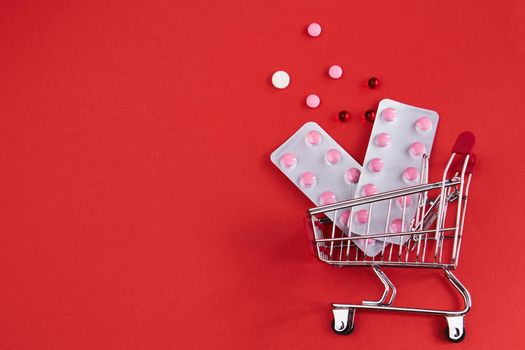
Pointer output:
333, 156
361, 216
288, 160
407, 201
396, 226
327, 198
410, 174
382, 139
417, 149
424, 124
376, 164
352, 175
369, 190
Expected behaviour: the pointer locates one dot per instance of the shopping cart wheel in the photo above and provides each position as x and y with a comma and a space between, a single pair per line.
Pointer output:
343, 322
455, 329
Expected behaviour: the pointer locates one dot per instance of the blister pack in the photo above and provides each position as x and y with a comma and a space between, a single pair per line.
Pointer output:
322, 170
401, 135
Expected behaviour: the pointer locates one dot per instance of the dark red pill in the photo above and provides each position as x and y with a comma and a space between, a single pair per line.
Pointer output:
344, 116
370, 115
373, 83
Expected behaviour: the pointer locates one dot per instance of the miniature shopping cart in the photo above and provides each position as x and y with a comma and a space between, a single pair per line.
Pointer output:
432, 240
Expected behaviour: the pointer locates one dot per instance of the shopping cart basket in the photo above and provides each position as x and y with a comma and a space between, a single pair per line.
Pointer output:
432, 240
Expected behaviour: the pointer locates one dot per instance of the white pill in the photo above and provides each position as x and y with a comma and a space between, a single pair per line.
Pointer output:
280, 79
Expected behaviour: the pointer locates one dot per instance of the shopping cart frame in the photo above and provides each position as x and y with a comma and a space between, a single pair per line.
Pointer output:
430, 231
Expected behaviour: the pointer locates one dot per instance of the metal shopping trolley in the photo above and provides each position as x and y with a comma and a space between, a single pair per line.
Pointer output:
432, 240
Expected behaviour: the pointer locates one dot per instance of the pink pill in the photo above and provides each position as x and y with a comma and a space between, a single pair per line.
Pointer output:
424, 124
314, 30
389, 114
313, 138
417, 149
410, 174
288, 160
352, 175
376, 164
369, 190
333, 156
370, 241
382, 139
362, 216
327, 198
313, 101
407, 201
396, 226
343, 218
335, 72
308, 179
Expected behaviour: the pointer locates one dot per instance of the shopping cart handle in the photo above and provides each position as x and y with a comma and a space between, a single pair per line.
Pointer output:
464, 143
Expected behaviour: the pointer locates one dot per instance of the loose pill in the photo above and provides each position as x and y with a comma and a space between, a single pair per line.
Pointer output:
327, 198
417, 149
352, 175
406, 201
361, 216
333, 156
370, 115
410, 174
280, 79
288, 160
313, 138
376, 164
382, 139
369, 190
313, 101
308, 179
335, 72
396, 226
373, 83
314, 30
344, 116
424, 124
389, 114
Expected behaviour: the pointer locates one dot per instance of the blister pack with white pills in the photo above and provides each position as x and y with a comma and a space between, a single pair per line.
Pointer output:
401, 135
321, 169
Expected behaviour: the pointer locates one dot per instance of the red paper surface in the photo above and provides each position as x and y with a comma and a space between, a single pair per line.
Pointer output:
139, 208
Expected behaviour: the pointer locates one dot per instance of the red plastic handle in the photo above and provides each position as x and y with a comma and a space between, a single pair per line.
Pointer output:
464, 143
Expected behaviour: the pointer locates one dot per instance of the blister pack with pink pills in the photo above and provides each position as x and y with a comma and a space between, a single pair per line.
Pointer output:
401, 135
320, 168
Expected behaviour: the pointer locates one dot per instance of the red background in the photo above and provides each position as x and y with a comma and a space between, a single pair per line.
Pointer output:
139, 208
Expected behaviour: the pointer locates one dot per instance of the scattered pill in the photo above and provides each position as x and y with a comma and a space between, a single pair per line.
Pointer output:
369, 190
362, 216
373, 83
314, 30
333, 156
327, 198
370, 115
314, 138
396, 226
352, 175
410, 174
424, 124
417, 149
308, 179
382, 139
280, 79
335, 72
288, 160
376, 164
313, 101
344, 116
389, 114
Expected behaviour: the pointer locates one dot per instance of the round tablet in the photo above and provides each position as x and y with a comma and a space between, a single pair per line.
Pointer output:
423, 124
314, 138
370, 241
362, 216
308, 179
410, 174
396, 226
389, 114
382, 139
313, 101
280, 79
352, 175
376, 164
369, 190
288, 160
314, 30
333, 156
417, 149
327, 198
407, 200
335, 72
343, 218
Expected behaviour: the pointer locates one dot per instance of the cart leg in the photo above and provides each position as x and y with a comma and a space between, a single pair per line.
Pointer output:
389, 286
455, 331
343, 322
